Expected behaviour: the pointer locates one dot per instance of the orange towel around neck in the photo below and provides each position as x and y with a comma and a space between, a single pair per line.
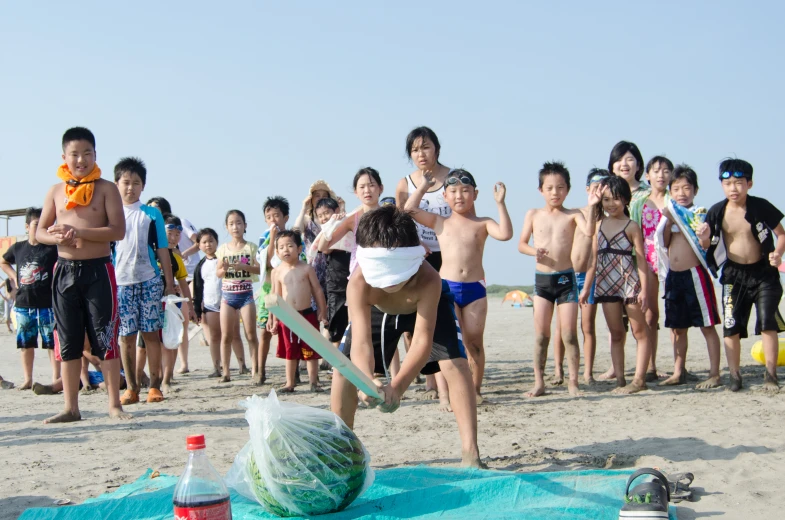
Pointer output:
78, 192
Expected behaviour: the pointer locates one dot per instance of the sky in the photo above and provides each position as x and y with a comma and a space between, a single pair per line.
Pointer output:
229, 105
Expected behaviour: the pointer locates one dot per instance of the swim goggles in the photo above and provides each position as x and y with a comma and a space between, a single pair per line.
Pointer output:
387, 201
596, 178
735, 175
170, 227
452, 181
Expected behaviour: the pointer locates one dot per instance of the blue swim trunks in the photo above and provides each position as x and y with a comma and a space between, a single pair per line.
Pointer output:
238, 300
32, 322
140, 306
580, 279
467, 292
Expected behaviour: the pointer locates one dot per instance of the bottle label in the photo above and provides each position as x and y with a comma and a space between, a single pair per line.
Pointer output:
222, 511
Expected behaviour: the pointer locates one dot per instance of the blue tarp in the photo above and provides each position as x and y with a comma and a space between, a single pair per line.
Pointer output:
409, 492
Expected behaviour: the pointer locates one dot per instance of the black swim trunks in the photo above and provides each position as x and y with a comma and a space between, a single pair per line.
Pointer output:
558, 288
386, 330
745, 285
84, 299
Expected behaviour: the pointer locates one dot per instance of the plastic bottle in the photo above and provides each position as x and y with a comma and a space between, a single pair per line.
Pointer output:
200, 493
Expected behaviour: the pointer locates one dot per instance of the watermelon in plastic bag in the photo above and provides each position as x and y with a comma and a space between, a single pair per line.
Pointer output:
300, 461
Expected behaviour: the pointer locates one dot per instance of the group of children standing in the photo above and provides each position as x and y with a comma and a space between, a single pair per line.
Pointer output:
116, 258
633, 238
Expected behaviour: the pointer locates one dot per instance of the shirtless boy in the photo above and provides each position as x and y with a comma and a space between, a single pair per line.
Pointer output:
689, 289
392, 276
461, 239
296, 282
89, 215
741, 243
553, 228
581, 258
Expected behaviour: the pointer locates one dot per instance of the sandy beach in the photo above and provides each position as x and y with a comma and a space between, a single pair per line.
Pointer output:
733, 443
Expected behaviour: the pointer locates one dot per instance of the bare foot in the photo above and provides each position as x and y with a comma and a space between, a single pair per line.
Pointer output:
119, 414
215, 373
632, 388
286, 390
317, 388
444, 404
6, 385
39, 389
429, 395
610, 374
735, 382
243, 370
472, 460
556, 379
86, 390
27, 385
64, 416
225, 379
480, 399
712, 382
770, 383
588, 379
572, 387
537, 391
166, 388
674, 380
183, 370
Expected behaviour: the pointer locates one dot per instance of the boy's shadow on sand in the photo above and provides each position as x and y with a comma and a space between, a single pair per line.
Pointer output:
679, 449
13, 507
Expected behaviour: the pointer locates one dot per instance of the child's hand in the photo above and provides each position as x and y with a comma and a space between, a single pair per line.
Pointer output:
583, 299
643, 301
192, 314
775, 259
272, 325
169, 291
541, 253
321, 317
499, 191
225, 264
427, 249
307, 202
703, 232
427, 177
595, 194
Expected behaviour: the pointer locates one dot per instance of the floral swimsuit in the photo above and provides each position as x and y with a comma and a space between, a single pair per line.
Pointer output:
650, 219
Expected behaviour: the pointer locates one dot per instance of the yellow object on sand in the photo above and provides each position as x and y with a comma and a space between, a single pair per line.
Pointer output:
757, 353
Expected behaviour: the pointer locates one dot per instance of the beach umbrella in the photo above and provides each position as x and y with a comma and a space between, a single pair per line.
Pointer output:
516, 297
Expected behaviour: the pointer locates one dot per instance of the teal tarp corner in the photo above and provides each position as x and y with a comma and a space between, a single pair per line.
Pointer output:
410, 492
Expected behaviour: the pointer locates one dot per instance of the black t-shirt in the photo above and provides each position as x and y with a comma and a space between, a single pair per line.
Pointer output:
762, 216
34, 267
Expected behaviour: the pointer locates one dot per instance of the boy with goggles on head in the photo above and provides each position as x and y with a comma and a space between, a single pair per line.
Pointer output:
739, 237
462, 238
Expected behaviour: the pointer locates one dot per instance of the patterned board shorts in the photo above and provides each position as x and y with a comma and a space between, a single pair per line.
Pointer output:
140, 306
32, 322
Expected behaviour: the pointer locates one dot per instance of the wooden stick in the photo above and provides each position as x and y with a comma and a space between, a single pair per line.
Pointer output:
310, 334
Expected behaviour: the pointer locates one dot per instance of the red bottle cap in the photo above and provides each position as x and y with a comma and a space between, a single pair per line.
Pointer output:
194, 442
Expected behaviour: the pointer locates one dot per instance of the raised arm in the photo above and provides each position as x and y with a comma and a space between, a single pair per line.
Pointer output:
503, 230
344, 227
587, 225
299, 222
412, 205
